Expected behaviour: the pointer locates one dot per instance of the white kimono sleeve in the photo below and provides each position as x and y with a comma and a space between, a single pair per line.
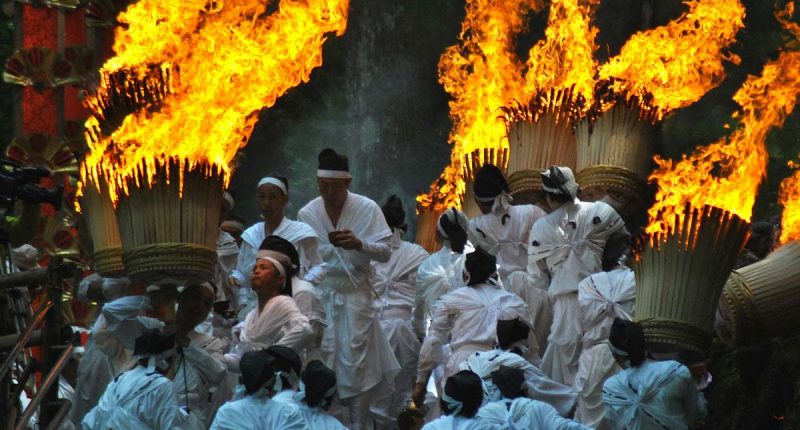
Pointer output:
315, 272
430, 354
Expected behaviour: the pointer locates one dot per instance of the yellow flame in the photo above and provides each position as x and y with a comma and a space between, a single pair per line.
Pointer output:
565, 57
482, 73
234, 57
789, 198
680, 61
727, 173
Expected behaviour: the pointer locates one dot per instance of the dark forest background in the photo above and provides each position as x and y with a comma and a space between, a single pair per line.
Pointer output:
377, 98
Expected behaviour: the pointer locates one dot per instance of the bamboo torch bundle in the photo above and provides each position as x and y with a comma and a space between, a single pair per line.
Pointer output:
540, 135
427, 216
169, 226
760, 301
472, 163
616, 142
130, 90
679, 277
102, 223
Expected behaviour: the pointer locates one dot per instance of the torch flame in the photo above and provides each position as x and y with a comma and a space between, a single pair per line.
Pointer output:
681, 61
565, 57
727, 173
670, 67
483, 74
789, 198
234, 58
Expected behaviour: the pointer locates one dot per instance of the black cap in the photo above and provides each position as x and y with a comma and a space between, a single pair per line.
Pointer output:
480, 265
286, 360
318, 379
329, 159
490, 182
257, 370
153, 342
511, 331
510, 381
394, 213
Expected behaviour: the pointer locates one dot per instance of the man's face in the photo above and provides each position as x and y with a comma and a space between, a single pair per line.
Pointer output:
333, 190
265, 276
194, 304
271, 200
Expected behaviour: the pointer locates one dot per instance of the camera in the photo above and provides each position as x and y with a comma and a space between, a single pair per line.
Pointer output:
22, 183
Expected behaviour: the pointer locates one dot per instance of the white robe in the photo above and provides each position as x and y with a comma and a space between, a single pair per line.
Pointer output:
258, 412
354, 345
439, 274
567, 246
538, 385
198, 377
505, 234
595, 367
109, 351
302, 236
466, 318
279, 322
309, 303
655, 395
136, 400
227, 254
450, 422
602, 297
315, 418
395, 285
524, 414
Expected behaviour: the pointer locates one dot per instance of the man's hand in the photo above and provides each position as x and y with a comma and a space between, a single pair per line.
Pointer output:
347, 240
419, 394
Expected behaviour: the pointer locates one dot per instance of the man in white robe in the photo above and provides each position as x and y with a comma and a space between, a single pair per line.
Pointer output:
466, 318
503, 230
276, 320
257, 410
273, 195
352, 232
395, 285
317, 388
567, 246
443, 270
515, 411
648, 394
511, 335
200, 366
602, 297
109, 351
142, 398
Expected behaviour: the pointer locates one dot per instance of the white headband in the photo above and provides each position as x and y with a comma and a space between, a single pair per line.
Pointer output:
333, 174
616, 350
269, 180
232, 224
276, 263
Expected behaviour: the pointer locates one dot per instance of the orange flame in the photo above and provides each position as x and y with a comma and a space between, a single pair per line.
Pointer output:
565, 57
234, 58
727, 173
483, 74
789, 198
679, 62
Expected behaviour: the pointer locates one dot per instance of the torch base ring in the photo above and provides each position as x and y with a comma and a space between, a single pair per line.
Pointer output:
667, 336
617, 179
108, 262
170, 263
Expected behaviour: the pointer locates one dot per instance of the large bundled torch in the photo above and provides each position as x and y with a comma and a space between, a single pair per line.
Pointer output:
539, 135
616, 142
167, 212
760, 301
679, 276
120, 94
472, 163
